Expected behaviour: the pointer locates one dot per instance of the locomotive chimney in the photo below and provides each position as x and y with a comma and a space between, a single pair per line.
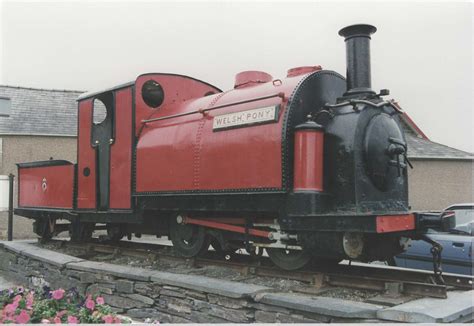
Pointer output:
357, 38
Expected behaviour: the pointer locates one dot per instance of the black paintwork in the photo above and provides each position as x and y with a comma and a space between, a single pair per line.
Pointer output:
308, 98
101, 140
348, 154
357, 38
309, 125
43, 164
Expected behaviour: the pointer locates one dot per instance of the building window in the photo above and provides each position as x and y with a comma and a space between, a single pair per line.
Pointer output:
5, 107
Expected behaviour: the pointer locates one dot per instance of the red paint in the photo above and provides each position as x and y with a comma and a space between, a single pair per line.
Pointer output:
185, 153
121, 152
308, 160
86, 158
241, 158
393, 223
251, 78
48, 187
226, 227
297, 71
177, 90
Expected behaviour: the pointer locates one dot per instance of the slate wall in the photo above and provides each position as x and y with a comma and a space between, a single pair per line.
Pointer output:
174, 298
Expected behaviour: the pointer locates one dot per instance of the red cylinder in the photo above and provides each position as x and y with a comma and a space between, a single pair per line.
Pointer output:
308, 160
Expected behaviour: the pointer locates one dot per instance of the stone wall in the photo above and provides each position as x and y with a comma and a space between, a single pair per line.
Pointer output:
174, 298
179, 298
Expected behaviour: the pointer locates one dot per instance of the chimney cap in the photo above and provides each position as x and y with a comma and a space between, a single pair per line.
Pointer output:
361, 30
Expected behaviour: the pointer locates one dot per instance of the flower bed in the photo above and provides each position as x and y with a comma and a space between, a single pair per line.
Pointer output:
23, 306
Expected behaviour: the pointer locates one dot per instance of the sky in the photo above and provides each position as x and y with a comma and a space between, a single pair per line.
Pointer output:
422, 51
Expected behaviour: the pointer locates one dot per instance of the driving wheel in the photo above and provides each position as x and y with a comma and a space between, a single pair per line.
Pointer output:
188, 240
44, 228
288, 259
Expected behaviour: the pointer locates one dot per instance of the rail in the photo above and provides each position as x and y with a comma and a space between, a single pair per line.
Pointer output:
374, 277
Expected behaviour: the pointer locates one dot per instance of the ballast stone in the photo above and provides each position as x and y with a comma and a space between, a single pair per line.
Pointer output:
322, 305
430, 310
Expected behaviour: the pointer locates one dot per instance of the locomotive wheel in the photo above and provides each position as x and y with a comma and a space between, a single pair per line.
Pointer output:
289, 260
81, 232
188, 240
114, 233
44, 228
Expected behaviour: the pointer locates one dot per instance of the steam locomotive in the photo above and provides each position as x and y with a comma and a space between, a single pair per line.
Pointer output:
310, 167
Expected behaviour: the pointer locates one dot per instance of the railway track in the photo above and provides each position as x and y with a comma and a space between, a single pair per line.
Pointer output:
374, 277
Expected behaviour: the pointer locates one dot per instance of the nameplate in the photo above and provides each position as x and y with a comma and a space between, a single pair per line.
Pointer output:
245, 118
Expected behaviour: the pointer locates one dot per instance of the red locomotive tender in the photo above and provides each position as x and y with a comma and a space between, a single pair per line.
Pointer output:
309, 167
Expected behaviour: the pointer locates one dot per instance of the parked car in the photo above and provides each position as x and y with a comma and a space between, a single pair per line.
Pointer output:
457, 245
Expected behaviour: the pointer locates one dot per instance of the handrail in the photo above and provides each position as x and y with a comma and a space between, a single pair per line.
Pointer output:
202, 111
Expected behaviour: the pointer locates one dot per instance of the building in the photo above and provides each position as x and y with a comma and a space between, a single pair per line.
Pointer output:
441, 175
35, 124
39, 124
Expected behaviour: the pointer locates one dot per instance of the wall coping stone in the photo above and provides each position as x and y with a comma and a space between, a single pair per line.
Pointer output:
29, 250
322, 305
431, 310
129, 272
194, 282
206, 284
16, 246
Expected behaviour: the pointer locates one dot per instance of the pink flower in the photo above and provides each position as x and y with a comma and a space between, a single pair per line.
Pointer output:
17, 298
23, 317
58, 294
72, 320
57, 320
29, 300
10, 308
100, 300
45, 321
90, 304
108, 319
61, 313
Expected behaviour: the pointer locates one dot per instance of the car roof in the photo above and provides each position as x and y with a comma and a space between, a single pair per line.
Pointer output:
461, 206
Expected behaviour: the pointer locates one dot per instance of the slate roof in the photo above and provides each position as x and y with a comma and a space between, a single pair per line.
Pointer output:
420, 147
40, 111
